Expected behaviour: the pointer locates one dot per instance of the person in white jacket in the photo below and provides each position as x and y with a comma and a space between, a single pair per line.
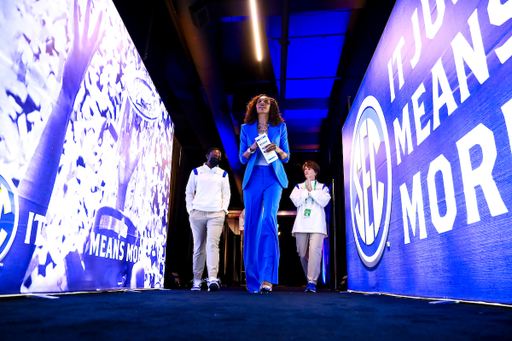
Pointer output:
207, 197
310, 227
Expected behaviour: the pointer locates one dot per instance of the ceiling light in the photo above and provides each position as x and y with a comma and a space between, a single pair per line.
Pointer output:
255, 27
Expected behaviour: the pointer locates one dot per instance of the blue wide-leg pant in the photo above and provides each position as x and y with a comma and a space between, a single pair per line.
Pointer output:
261, 245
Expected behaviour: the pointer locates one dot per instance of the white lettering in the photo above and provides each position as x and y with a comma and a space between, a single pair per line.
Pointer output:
446, 98
431, 28
102, 245
135, 253
121, 250
130, 252
95, 244
28, 233
40, 221
507, 112
417, 39
482, 175
412, 207
442, 224
403, 134
499, 14
397, 58
474, 57
109, 248
115, 250
419, 111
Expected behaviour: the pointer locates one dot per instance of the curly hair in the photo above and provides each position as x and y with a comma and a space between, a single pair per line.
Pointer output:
251, 114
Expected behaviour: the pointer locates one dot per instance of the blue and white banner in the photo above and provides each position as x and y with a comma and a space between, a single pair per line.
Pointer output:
427, 150
85, 152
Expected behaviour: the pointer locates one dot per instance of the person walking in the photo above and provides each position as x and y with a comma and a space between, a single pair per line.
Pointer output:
207, 197
310, 227
262, 185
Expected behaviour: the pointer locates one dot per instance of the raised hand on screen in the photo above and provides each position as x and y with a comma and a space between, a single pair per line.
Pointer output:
83, 49
42, 171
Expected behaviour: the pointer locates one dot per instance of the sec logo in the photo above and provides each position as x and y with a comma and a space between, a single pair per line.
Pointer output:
370, 182
9, 215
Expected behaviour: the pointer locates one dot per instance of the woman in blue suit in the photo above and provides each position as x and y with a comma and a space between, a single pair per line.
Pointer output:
263, 185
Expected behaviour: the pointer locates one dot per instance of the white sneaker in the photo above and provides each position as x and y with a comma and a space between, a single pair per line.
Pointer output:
196, 284
213, 284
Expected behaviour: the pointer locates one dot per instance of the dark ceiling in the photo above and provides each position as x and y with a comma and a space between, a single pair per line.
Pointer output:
201, 57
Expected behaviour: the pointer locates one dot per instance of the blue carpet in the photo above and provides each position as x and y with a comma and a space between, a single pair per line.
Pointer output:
234, 314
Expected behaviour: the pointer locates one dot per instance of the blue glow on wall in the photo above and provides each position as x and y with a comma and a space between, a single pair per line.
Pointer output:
427, 155
316, 41
308, 88
310, 23
314, 57
311, 125
231, 19
306, 113
318, 23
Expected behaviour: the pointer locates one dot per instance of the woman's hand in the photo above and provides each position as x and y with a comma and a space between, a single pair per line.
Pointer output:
274, 147
253, 147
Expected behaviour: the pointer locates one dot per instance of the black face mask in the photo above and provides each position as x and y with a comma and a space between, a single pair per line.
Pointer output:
214, 161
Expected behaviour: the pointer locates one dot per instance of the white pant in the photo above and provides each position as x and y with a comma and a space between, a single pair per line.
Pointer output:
206, 229
309, 247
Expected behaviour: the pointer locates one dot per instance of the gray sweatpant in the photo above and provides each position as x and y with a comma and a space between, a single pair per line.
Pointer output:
309, 247
206, 229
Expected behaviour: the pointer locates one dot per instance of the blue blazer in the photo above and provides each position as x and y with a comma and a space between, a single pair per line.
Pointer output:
278, 135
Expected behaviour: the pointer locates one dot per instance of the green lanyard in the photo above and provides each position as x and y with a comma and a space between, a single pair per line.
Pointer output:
314, 189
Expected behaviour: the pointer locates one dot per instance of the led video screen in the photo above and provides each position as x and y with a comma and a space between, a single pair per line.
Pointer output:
427, 154
85, 152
